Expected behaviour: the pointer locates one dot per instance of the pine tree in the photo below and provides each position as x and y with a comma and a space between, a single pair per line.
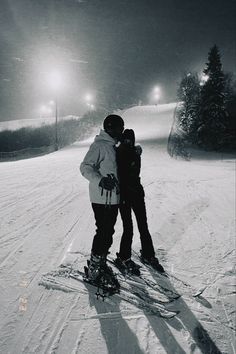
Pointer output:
189, 94
213, 116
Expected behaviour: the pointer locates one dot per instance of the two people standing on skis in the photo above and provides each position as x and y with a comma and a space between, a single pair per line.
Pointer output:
104, 165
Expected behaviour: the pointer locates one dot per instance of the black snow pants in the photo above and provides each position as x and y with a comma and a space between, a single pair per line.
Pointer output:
105, 218
136, 203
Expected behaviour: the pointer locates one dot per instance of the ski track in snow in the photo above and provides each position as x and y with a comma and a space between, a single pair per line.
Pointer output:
46, 219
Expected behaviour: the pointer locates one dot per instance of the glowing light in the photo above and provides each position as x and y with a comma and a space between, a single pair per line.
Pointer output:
88, 97
45, 110
156, 94
157, 90
55, 80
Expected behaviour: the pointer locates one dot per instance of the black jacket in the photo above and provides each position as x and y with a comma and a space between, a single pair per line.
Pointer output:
128, 166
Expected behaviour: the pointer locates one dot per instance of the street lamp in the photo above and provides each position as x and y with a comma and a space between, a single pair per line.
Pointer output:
156, 94
55, 83
88, 99
55, 80
45, 111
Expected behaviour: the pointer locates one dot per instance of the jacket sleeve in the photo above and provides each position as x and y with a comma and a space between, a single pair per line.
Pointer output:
89, 168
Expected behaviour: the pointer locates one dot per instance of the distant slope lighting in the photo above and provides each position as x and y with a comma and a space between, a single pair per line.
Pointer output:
55, 80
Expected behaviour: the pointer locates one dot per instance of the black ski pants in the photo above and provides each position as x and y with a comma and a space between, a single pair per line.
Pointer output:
105, 218
137, 204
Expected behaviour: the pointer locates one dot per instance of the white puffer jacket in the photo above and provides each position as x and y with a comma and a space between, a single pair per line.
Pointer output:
100, 161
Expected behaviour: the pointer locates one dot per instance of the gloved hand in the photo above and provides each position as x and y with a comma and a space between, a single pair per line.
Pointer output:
107, 183
138, 150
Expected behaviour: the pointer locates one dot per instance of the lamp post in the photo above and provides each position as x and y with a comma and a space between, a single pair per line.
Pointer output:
55, 82
56, 125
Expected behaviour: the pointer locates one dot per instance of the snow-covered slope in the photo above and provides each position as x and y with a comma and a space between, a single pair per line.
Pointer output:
46, 218
150, 121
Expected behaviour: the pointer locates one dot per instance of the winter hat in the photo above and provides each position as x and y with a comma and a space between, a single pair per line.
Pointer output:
129, 134
113, 120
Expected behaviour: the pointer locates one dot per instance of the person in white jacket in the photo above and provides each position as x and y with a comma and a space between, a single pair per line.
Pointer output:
100, 168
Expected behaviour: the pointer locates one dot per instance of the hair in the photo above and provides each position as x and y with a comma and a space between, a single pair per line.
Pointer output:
113, 120
129, 134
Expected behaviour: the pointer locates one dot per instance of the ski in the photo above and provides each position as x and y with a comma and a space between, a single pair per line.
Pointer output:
164, 279
164, 294
191, 290
59, 280
143, 291
131, 293
128, 285
143, 280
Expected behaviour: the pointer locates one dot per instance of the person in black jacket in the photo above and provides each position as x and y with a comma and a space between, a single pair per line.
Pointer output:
132, 198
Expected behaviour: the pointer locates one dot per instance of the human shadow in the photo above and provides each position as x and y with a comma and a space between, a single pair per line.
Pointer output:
160, 327
190, 323
198, 333
164, 334
117, 334
119, 337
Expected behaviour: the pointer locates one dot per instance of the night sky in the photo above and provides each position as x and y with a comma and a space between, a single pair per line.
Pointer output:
117, 50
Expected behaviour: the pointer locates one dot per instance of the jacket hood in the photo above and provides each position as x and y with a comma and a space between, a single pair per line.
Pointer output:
103, 136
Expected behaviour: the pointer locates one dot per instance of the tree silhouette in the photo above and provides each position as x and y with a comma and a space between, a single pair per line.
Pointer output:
189, 94
212, 123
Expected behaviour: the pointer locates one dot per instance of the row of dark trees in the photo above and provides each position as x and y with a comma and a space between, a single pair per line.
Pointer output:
207, 112
69, 131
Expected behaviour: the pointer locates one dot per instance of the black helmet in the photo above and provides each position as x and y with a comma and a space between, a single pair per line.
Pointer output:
113, 120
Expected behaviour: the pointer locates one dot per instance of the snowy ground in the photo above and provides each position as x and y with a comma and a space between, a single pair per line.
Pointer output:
46, 218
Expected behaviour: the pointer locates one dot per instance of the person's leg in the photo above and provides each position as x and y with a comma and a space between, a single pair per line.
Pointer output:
127, 236
139, 208
105, 218
147, 252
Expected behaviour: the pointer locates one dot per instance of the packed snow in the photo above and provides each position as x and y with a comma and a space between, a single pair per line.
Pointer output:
46, 219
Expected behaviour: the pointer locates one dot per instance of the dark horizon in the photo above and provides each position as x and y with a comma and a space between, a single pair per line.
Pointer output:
116, 50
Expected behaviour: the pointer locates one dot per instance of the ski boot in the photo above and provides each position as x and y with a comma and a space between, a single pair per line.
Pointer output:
100, 274
127, 266
153, 262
